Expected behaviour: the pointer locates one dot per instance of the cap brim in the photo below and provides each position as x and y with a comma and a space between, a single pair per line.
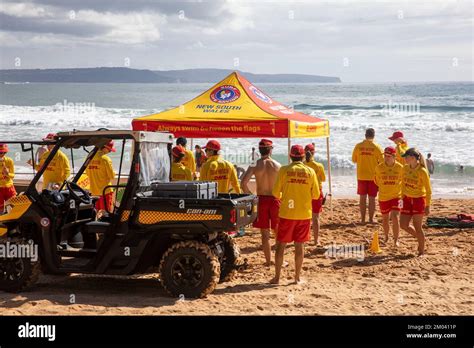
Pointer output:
392, 138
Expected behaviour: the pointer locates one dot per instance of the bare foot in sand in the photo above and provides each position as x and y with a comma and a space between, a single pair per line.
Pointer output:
396, 244
300, 281
275, 281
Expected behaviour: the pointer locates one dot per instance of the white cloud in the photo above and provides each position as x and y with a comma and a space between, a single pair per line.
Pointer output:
22, 10
129, 28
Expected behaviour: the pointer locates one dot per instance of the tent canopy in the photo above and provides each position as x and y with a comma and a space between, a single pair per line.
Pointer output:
234, 108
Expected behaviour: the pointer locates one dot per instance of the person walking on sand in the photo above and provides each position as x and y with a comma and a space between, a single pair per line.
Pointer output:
367, 155
178, 171
265, 171
401, 145
416, 192
7, 174
321, 175
219, 170
58, 169
200, 157
388, 178
188, 161
296, 185
101, 174
430, 165
254, 156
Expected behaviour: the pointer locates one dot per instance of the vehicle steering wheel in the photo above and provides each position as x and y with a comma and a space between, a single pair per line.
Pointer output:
73, 187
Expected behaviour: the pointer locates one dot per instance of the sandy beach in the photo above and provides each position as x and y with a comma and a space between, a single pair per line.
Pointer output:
394, 282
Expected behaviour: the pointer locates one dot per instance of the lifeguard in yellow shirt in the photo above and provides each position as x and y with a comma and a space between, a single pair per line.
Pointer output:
367, 155
388, 177
219, 170
7, 173
297, 186
188, 161
400, 145
321, 175
178, 171
416, 192
58, 169
101, 174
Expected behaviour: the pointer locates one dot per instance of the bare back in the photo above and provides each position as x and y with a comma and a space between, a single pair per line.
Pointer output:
265, 171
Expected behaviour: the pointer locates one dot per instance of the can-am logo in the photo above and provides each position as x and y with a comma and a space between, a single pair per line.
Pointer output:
225, 94
260, 95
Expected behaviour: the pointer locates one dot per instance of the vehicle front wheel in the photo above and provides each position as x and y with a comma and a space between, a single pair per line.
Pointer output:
17, 274
189, 269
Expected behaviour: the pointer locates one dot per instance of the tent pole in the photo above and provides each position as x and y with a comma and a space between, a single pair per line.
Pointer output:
329, 176
289, 142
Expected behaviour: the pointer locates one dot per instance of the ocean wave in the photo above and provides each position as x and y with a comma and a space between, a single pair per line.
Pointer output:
383, 107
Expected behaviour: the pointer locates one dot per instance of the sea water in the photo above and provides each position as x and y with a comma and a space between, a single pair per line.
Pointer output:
437, 118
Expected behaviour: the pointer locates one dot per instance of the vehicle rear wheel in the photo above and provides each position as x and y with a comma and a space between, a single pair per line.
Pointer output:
189, 269
230, 258
17, 274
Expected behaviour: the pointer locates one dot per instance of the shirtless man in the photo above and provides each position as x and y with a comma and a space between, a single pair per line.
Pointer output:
265, 171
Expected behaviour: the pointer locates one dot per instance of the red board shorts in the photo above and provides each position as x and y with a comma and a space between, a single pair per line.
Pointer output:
293, 230
317, 204
394, 204
413, 206
100, 204
5, 194
268, 208
367, 187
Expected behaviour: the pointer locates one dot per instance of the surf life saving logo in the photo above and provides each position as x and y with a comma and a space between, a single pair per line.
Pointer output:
260, 95
225, 94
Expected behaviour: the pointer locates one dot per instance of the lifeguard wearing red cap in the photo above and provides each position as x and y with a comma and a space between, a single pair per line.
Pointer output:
265, 143
396, 135
213, 145
50, 136
297, 151
178, 151
110, 146
4, 148
310, 148
390, 151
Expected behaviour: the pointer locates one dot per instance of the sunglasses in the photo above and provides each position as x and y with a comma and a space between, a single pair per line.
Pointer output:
2, 153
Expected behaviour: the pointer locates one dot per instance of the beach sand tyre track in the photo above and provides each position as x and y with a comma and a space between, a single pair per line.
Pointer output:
189, 269
231, 256
18, 274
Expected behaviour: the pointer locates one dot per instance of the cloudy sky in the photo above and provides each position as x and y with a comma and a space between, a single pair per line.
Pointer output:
355, 40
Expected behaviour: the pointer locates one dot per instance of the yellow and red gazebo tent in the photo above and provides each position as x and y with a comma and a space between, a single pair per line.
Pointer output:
235, 108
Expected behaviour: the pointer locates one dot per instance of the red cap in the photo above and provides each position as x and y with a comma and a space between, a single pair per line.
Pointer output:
396, 135
297, 151
310, 148
110, 146
3, 148
265, 143
390, 151
178, 151
213, 145
50, 136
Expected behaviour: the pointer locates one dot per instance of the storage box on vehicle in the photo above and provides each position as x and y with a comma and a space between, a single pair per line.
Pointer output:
185, 189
